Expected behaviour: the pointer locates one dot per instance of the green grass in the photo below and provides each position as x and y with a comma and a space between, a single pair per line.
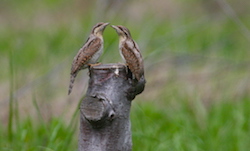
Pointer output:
224, 126
32, 136
196, 65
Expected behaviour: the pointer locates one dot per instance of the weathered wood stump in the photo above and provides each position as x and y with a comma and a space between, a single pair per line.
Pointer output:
104, 120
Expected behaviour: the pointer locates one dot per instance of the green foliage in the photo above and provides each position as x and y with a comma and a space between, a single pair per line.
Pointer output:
33, 136
225, 126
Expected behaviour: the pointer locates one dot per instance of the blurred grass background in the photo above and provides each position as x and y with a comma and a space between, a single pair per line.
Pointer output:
196, 62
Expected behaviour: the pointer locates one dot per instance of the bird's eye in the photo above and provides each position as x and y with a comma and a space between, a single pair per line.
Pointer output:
98, 25
124, 31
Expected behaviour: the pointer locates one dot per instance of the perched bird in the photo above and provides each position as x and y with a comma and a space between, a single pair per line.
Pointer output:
89, 53
130, 52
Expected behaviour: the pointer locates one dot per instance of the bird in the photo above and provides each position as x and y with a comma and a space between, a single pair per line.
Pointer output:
89, 53
130, 52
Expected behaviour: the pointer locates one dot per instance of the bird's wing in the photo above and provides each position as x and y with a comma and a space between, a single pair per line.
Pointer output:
85, 53
133, 58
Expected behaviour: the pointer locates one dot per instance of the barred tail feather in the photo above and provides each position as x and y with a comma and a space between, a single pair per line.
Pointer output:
71, 84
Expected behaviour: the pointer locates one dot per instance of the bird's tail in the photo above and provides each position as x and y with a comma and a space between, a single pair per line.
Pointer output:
71, 84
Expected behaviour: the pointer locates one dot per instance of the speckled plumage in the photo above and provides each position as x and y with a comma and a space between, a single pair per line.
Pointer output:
89, 53
130, 52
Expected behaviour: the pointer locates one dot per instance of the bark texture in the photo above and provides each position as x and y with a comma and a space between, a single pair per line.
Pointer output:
104, 120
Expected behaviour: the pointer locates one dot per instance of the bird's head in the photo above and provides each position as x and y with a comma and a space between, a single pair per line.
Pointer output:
99, 28
122, 31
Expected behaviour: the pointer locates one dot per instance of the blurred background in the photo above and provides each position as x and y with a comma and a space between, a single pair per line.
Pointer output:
196, 55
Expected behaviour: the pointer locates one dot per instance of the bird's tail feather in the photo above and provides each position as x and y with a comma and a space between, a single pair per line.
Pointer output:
71, 84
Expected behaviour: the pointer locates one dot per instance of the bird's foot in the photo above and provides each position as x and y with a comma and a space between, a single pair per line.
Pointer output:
96, 64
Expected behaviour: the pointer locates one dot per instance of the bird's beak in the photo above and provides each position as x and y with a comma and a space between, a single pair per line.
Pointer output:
104, 25
113, 26
116, 28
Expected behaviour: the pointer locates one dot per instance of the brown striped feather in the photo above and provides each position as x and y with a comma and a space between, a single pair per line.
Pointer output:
85, 54
134, 62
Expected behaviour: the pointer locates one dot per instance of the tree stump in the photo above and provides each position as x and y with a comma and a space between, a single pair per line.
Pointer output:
104, 119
